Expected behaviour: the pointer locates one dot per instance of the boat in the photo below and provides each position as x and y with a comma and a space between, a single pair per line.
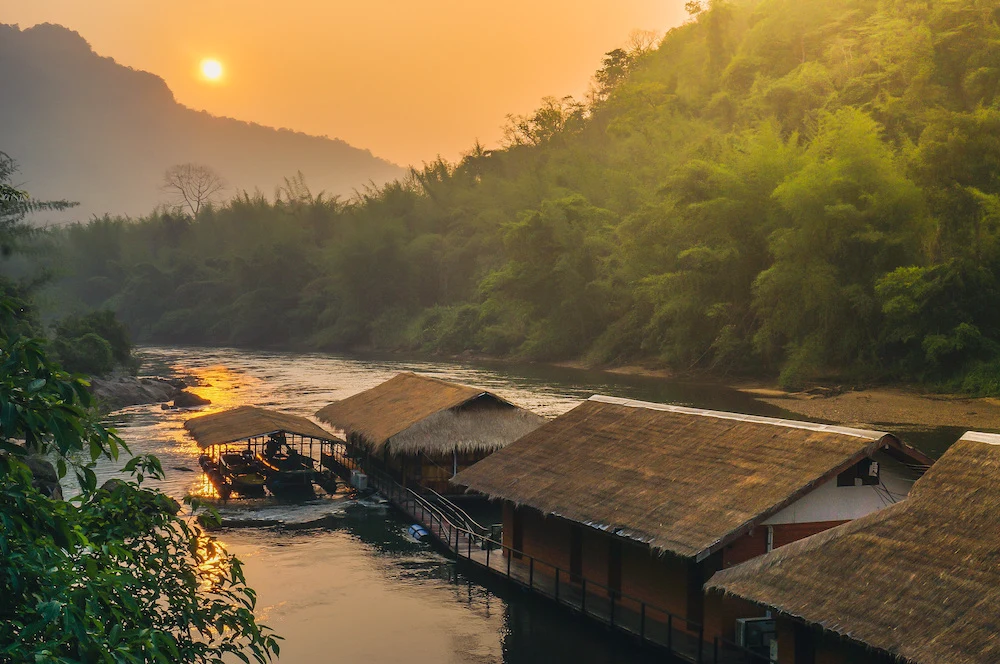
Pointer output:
371, 498
243, 472
215, 476
287, 472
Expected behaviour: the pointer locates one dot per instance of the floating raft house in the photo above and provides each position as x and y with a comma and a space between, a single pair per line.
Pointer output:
422, 430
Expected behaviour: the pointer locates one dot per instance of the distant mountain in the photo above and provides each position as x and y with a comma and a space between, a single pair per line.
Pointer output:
86, 128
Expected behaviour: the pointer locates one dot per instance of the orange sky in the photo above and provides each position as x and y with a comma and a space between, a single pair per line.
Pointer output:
408, 80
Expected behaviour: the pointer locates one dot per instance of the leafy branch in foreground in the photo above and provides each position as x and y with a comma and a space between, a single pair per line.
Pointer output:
115, 574
15, 205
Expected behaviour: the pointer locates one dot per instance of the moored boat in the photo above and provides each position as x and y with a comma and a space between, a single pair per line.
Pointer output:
243, 471
288, 472
215, 476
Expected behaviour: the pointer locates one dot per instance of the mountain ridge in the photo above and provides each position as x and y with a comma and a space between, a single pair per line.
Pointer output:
87, 128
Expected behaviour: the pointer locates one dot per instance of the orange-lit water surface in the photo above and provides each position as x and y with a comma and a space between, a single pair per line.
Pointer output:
341, 581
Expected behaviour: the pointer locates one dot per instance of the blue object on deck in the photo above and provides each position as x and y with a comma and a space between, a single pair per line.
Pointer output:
417, 532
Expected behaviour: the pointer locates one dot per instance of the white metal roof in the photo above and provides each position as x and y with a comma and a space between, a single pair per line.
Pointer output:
792, 424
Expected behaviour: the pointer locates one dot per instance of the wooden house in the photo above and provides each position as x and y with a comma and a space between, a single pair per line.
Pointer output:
645, 502
422, 430
917, 582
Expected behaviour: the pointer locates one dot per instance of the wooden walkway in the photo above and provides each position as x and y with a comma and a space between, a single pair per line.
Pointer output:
647, 624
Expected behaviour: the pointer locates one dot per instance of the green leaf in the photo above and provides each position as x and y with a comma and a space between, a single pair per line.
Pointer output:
49, 610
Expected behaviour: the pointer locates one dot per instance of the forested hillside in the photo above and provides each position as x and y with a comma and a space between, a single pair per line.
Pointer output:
801, 188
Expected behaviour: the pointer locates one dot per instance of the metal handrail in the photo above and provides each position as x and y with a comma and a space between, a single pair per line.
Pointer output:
449, 533
457, 512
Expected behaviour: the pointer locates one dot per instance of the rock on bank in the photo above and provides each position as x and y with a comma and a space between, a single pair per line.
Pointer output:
114, 392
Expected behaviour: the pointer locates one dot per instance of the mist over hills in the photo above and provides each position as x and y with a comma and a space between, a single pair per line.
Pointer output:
85, 128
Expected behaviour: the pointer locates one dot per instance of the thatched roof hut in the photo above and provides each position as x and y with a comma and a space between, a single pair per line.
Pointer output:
248, 422
919, 580
682, 480
411, 414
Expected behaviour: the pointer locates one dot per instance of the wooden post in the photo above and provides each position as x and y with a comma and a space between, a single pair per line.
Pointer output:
583, 597
642, 623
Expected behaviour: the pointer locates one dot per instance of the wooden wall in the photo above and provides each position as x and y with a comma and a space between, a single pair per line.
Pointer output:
434, 471
804, 644
746, 547
665, 581
660, 581
721, 613
786, 533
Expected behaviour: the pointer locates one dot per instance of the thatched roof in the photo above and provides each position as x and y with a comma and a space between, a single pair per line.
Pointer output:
919, 580
247, 422
683, 480
411, 413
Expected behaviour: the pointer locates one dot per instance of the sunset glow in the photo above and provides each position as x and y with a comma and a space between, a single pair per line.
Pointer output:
408, 81
211, 69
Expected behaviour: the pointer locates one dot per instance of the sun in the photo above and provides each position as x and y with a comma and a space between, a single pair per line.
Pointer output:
211, 69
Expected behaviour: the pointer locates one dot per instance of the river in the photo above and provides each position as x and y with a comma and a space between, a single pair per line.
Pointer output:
341, 581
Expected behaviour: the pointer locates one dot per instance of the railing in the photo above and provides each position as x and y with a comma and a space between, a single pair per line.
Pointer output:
455, 513
649, 624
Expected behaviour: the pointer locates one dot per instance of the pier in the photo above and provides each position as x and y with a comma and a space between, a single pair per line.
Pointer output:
467, 541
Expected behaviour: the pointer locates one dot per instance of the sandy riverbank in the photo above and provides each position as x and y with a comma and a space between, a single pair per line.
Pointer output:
887, 407
865, 408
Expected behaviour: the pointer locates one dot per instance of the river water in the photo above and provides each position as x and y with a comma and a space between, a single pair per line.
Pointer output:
340, 581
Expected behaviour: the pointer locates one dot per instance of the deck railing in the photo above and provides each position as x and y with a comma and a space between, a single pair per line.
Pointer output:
647, 623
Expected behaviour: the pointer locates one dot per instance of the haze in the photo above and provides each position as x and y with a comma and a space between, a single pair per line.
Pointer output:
408, 80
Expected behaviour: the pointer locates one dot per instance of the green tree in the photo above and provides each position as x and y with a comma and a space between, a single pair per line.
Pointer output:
852, 215
114, 575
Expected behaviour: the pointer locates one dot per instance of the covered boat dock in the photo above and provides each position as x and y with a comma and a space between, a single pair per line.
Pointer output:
261, 434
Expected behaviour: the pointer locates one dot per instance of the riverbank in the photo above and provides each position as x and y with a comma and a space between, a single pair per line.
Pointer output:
906, 407
119, 391
882, 407
863, 408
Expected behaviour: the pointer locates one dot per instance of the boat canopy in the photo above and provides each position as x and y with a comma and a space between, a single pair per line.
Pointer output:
248, 422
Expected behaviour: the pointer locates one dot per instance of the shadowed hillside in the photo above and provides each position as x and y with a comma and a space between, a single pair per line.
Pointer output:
88, 129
